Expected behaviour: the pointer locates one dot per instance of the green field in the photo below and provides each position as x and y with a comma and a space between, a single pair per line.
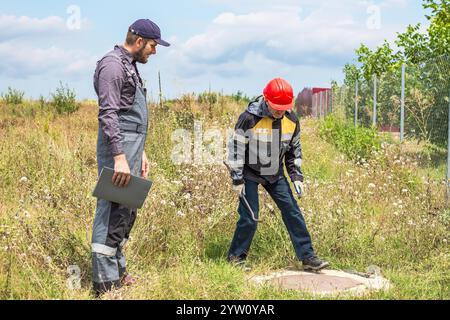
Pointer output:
389, 210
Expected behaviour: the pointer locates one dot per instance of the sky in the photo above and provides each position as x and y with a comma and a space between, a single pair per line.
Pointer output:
225, 45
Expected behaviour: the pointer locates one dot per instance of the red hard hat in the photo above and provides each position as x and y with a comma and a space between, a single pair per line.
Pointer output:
279, 94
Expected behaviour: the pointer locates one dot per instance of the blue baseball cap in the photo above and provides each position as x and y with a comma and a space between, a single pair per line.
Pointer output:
147, 29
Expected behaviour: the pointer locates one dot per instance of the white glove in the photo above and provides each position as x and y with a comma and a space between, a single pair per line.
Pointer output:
299, 188
239, 188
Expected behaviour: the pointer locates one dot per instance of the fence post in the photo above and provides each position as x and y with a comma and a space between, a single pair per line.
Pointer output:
374, 122
321, 105
356, 103
331, 100
448, 153
402, 109
313, 111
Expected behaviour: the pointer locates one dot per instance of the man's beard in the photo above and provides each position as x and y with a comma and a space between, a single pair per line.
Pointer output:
140, 56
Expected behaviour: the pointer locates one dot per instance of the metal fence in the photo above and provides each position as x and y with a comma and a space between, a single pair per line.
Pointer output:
411, 103
315, 102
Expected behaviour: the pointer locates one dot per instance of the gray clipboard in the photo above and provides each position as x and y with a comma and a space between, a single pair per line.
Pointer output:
132, 196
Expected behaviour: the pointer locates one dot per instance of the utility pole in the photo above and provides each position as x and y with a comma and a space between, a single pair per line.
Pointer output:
160, 90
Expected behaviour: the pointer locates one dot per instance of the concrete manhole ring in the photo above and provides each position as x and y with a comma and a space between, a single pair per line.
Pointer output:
315, 282
325, 282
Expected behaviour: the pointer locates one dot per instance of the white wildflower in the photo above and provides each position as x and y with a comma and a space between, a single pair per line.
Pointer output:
187, 196
181, 214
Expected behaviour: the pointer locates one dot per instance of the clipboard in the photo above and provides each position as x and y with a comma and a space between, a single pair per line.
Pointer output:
132, 196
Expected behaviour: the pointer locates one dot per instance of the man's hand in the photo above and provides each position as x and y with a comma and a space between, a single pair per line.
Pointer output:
299, 188
122, 174
238, 188
145, 166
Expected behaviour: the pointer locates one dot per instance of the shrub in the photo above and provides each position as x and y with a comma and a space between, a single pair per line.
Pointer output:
64, 100
355, 142
240, 97
13, 96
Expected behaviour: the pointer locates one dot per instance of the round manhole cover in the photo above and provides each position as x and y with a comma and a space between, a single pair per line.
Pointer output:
315, 282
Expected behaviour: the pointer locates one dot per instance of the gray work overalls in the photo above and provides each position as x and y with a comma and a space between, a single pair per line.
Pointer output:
113, 222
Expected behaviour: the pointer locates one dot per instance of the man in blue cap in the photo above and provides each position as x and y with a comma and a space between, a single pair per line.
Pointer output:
123, 124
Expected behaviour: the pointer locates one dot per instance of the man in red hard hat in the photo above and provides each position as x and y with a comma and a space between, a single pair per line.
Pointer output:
266, 135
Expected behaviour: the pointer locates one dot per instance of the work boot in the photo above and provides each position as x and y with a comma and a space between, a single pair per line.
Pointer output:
128, 280
239, 264
314, 263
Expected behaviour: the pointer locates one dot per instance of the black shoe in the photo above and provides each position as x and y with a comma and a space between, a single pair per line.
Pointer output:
239, 264
314, 263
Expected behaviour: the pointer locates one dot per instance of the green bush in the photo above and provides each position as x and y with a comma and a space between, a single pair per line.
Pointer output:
355, 142
240, 96
64, 100
13, 96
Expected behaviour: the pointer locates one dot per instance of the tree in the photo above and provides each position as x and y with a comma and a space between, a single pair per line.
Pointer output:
426, 55
439, 30
376, 62
413, 44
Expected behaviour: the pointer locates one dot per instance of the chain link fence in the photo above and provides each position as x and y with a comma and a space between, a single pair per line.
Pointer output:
410, 103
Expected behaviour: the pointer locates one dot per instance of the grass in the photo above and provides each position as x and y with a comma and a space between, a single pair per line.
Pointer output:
385, 211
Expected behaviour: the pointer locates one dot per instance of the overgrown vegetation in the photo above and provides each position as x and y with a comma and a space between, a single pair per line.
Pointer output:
64, 100
384, 211
14, 109
427, 59
356, 143
13, 96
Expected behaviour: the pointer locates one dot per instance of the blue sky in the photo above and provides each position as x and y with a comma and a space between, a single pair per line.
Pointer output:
228, 45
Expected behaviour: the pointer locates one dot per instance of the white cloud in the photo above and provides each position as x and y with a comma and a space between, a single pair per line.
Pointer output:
13, 27
327, 36
394, 3
20, 61
306, 42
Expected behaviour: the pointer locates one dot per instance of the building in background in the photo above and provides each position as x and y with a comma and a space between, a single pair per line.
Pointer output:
314, 102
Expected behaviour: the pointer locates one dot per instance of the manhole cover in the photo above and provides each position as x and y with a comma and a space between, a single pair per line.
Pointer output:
323, 283
316, 283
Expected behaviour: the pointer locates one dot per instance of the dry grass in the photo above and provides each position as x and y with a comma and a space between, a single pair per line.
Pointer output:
384, 212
